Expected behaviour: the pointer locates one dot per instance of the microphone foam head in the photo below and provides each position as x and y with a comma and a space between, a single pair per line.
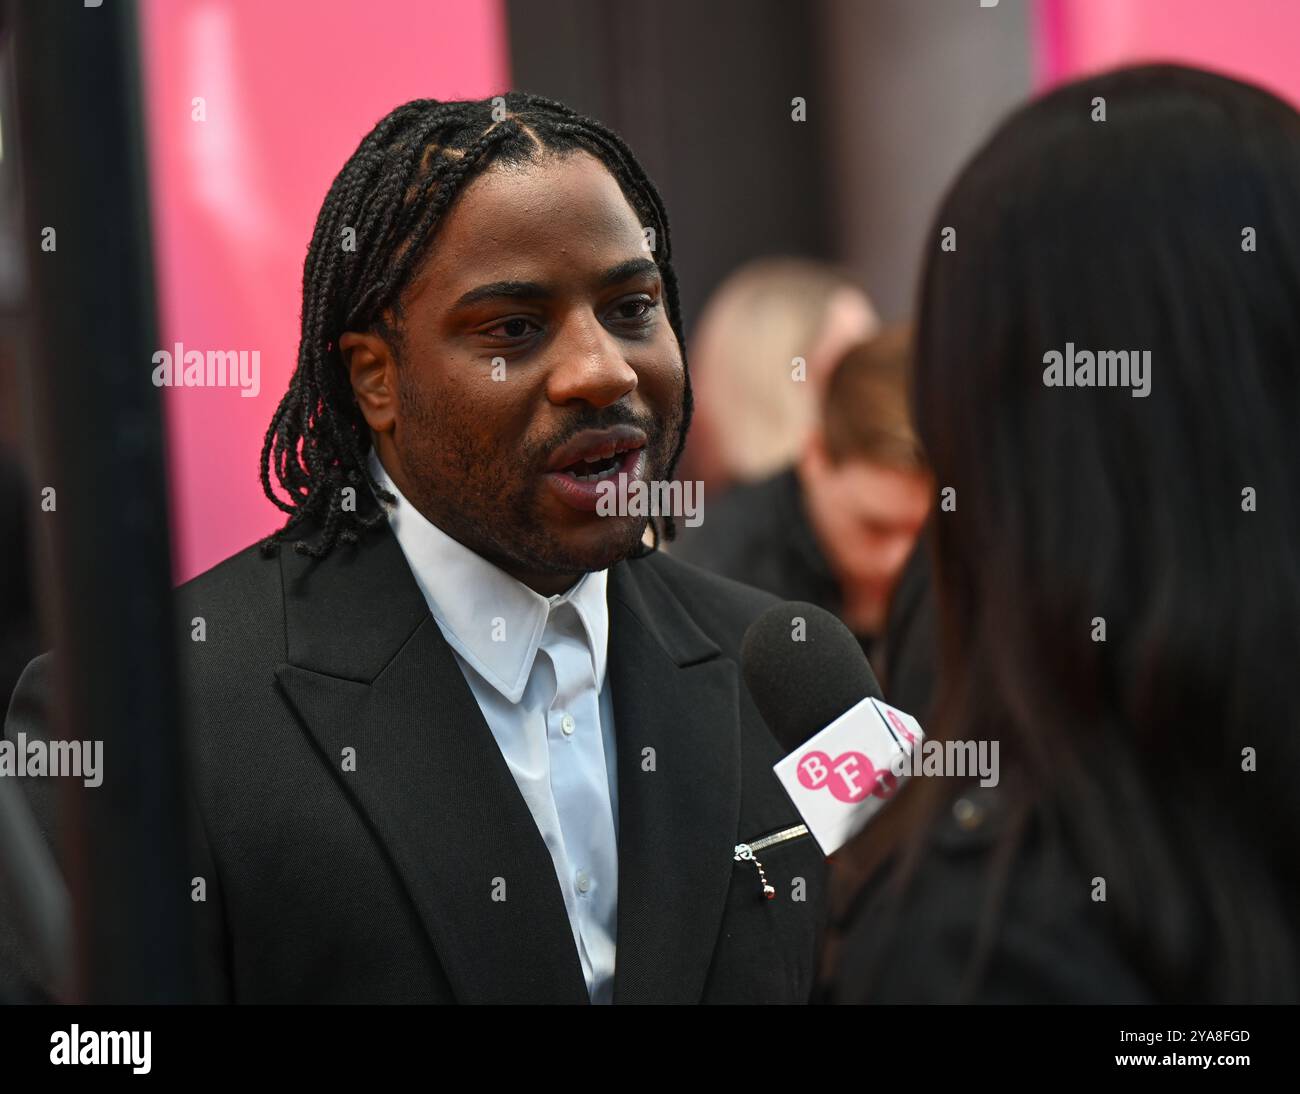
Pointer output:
804, 669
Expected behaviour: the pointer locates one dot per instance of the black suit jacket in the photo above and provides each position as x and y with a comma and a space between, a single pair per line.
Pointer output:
377, 884
759, 533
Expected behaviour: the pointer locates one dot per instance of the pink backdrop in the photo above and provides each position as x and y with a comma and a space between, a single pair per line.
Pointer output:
289, 89
1256, 40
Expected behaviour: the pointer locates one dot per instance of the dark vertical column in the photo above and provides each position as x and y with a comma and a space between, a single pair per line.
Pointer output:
702, 92
80, 143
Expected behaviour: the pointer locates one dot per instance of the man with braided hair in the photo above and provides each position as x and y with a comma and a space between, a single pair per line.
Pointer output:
458, 735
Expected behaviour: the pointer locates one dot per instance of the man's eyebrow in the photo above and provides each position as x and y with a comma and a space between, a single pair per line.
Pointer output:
625, 271
531, 290
511, 290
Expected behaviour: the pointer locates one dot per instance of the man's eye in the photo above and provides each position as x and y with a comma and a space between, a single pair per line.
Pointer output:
638, 308
512, 329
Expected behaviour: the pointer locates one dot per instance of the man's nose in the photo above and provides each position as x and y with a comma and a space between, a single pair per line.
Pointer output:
588, 365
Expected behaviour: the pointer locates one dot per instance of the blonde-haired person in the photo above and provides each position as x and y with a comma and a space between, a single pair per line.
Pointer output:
752, 417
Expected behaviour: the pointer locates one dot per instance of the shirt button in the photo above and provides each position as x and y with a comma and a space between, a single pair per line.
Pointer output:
584, 881
568, 725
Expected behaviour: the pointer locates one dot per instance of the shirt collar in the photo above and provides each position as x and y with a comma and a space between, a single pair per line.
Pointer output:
474, 602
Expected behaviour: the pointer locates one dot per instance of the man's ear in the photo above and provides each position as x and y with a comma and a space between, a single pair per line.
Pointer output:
372, 369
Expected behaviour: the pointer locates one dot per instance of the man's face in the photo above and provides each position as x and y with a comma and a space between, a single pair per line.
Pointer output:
866, 517
535, 338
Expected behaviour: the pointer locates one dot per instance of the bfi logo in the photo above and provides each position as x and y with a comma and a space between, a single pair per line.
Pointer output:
846, 772
850, 777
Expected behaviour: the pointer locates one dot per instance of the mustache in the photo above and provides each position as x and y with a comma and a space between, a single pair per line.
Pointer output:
604, 418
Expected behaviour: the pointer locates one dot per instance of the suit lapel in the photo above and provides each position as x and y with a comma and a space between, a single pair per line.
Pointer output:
679, 804
368, 669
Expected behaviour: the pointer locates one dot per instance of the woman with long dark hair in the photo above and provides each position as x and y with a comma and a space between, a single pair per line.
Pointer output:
1117, 567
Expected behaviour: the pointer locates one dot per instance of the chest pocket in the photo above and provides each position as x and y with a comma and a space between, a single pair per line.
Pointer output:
750, 852
778, 881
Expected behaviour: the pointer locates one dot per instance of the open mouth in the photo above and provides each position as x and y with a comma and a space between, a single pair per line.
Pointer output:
579, 469
593, 470
594, 455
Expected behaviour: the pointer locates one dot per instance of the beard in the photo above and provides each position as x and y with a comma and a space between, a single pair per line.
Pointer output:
494, 505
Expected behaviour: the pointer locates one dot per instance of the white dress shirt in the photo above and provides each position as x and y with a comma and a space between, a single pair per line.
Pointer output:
536, 666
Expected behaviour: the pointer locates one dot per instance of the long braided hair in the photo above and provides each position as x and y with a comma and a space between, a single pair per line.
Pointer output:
376, 225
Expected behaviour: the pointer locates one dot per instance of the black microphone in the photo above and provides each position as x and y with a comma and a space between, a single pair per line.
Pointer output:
804, 669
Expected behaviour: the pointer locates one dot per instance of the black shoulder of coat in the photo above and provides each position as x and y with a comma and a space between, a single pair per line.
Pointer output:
709, 598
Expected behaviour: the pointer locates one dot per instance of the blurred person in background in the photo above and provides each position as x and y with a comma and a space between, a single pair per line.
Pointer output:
1118, 586
836, 527
751, 417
